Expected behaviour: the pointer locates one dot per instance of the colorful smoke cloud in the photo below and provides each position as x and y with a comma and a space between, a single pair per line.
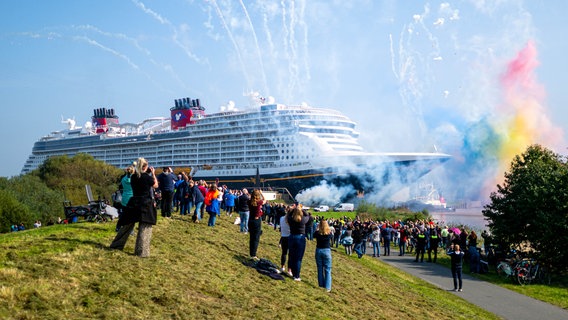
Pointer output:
520, 119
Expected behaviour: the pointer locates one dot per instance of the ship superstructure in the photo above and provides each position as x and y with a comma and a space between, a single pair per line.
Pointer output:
272, 144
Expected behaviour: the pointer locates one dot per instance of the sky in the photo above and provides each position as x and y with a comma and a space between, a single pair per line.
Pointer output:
477, 79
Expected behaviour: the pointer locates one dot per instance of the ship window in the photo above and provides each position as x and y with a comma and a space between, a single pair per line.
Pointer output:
286, 157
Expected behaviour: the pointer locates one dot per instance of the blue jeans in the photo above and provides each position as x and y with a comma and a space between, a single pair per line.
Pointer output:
244, 220
387, 245
357, 249
364, 246
323, 261
376, 248
185, 206
457, 275
198, 206
212, 219
296, 249
309, 233
402, 248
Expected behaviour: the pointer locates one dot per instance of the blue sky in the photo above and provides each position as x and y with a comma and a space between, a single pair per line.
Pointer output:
415, 75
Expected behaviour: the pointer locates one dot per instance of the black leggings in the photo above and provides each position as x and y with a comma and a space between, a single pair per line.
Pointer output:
284, 247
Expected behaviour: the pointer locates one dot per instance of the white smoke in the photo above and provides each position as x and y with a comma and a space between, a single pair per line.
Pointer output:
323, 194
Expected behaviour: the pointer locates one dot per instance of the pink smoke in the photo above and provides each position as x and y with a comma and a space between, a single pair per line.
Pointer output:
522, 118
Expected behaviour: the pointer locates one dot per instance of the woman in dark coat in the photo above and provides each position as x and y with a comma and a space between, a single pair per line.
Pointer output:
297, 221
140, 208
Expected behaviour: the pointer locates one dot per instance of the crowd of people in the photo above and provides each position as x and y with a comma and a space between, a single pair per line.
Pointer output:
37, 224
143, 192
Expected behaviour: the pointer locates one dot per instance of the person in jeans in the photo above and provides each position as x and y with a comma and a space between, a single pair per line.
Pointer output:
323, 237
376, 241
386, 235
456, 256
357, 235
297, 221
242, 207
197, 198
284, 234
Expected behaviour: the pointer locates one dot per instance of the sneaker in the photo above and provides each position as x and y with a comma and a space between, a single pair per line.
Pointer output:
328, 290
297, 279
455, 290
460, 290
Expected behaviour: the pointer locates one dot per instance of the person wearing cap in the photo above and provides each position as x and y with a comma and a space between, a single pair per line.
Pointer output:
434, 240
420, 245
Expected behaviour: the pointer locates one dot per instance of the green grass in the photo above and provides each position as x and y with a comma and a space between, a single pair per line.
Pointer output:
556, 293
67, 272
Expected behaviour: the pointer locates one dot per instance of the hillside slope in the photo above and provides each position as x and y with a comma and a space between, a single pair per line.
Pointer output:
67, 272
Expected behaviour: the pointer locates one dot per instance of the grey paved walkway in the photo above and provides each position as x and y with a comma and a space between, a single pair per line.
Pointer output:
498, 300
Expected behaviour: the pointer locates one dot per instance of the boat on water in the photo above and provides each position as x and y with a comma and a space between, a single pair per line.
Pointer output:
266, 145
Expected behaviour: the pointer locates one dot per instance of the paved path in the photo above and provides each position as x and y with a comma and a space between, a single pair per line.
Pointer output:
498, 300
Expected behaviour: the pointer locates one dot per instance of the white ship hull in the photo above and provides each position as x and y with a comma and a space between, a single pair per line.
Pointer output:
272, 145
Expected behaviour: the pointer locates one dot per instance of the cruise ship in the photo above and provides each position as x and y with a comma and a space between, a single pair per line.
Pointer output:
265, 145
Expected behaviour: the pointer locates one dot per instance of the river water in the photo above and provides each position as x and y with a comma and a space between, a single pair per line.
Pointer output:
471, 217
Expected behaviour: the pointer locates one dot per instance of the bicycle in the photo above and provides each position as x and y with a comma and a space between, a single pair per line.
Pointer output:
526, 271
510, 266
531, 270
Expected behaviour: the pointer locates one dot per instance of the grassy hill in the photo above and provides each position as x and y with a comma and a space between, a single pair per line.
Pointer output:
67, 272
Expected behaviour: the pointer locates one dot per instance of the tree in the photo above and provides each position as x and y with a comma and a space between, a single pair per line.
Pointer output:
43, 203
71, 174
531, 207
12, 212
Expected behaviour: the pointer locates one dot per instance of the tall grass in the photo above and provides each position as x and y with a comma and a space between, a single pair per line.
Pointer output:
194, 271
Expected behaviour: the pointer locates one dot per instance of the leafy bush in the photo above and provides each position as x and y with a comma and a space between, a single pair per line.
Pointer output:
43, 203
530, 209
12, 212
70, 175
39, 195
